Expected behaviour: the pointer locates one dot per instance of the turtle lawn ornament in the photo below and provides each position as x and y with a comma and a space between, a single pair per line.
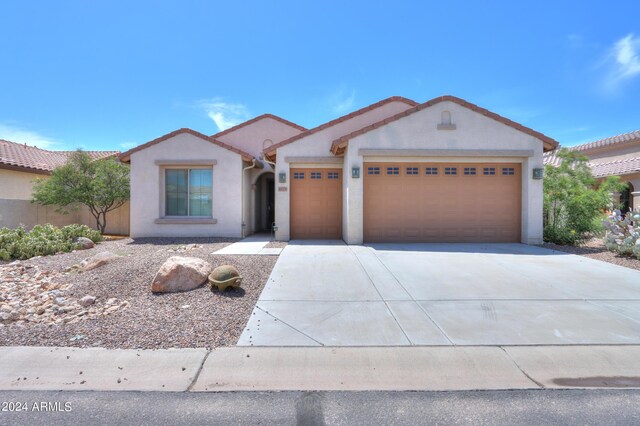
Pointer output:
225, 276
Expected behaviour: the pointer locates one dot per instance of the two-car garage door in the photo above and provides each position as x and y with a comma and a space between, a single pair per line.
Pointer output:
442, 202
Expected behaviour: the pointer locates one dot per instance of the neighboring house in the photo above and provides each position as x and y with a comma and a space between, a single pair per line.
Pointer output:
395, 171
20, 166
614, 156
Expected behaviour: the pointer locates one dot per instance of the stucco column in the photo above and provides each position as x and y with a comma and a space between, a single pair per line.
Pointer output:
282, 200
532, 203
352, 199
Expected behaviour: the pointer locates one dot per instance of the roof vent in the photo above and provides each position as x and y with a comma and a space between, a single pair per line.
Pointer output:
445, 122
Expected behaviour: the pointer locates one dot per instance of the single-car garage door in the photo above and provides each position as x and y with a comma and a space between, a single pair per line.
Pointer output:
442, 202
316, 203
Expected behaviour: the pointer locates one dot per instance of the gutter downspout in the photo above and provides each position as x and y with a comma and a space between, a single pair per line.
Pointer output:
243, 226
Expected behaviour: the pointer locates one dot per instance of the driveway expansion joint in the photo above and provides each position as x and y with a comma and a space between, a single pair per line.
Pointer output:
406, 336
289, 325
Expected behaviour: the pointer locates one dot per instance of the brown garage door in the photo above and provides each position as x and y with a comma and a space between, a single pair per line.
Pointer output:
316, 203
442, 202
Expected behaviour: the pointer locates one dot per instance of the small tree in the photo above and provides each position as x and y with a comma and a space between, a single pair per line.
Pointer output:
573, 201
101, 185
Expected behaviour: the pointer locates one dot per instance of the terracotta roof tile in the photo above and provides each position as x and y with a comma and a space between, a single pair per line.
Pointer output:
30, 158
269, 152
340, 144
604, 168
258, 118
126, 156
625, 138
616, 168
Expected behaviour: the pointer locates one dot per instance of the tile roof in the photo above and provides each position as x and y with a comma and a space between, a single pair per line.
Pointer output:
269, 152
340, 144
616, 167
600, 166
37, 160
126, 156
258, 118
625, 138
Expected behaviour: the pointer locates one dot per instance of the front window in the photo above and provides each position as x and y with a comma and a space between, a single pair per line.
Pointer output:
188, 192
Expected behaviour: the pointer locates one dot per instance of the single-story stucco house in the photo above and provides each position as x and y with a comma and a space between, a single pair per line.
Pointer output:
396, 171
20, 166
615, 156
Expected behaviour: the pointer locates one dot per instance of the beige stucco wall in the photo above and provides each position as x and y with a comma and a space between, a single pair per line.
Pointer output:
319, 145
16, 208
473, 131
255, 137
418, 131
15, 185
146, 188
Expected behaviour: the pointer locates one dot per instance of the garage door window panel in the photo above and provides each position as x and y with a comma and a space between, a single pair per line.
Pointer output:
489, 171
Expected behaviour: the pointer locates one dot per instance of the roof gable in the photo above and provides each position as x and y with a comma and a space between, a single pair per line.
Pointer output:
256, 119
126, 156
270, 152
339, 145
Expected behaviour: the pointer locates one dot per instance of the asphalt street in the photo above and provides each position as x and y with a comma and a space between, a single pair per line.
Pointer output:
533, 407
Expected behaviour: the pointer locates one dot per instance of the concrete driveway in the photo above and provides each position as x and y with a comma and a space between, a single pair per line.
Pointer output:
331, 294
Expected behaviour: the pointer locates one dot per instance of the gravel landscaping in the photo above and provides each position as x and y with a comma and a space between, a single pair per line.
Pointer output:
125, 313
595, 249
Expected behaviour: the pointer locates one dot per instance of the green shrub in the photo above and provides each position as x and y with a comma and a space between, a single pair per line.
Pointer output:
42, 240
574, 201
75, 230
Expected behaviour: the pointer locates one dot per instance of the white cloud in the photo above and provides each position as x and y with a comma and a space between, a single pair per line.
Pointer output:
224, 114
625, 60
341, 101
21, 135
128, 145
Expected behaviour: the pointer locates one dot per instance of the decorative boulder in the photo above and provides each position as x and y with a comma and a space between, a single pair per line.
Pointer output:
225, 276
83, 243
98, 260
180, 274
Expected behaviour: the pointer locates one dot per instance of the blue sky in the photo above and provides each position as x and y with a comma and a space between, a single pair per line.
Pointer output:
114, 74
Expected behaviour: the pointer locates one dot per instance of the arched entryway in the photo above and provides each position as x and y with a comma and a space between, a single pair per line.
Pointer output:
626, 199
264, 203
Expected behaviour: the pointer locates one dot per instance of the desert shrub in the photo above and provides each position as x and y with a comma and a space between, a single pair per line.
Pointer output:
623, 233
75, 230
42, 240
573, 201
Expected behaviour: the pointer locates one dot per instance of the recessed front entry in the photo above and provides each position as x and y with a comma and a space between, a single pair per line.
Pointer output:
316, 203
442, 202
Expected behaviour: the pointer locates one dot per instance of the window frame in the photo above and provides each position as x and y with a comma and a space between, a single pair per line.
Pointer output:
163, 195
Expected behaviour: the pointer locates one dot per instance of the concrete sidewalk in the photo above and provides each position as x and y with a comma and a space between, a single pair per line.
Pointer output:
325, 368
253, 244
